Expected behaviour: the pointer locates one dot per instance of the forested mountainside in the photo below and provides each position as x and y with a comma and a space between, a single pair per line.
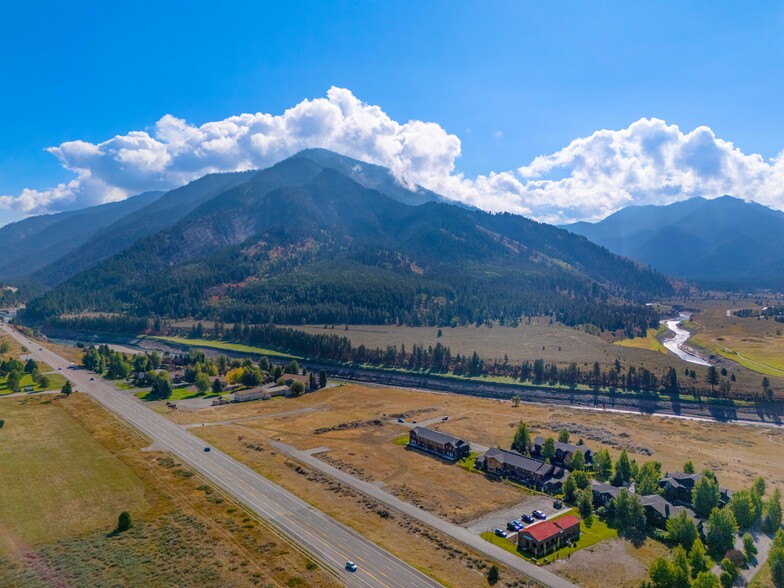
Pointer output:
304, 242
125, 231
32, 243
724, 242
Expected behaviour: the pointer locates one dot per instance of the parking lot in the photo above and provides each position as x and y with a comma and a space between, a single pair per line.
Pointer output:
498, 519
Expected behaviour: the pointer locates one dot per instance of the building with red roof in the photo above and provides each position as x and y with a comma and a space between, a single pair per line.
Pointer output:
547, 536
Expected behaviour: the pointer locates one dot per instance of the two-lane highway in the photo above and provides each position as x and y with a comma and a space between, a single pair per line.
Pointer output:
320, 535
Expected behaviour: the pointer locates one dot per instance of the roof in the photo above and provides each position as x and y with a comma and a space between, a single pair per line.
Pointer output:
249, 392
679, 479
546, 529
602, 488
437, 436
519, 461
564, 447
664, 507
296, 377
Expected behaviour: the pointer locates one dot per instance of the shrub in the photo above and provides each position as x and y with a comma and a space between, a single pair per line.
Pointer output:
124, 523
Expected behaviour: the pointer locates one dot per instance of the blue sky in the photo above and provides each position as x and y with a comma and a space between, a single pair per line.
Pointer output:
512, 80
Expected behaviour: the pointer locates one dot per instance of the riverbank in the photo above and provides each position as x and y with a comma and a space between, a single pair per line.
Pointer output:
677, 343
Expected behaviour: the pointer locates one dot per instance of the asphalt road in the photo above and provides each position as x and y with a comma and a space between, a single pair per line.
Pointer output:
462, 534
320, 535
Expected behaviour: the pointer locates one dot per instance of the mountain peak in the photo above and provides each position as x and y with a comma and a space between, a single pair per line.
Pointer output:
720, 241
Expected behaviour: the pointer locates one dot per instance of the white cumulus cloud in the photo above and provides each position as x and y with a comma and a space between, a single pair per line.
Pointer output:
648, 162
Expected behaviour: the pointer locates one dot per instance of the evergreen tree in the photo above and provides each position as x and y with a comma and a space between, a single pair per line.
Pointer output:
705, 495
522, 439
602, 465
548, 449
623, 470
705, 580
682, 530
698, 560
578, 461
493, 575
124, 523
67, 388
771, 521
721, 531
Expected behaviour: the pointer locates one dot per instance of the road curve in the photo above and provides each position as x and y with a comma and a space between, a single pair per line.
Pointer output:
322, 536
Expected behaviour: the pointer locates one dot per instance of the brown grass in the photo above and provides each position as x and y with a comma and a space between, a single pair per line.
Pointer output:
614, 563
439, 556
551, 342
185, 527
735, 452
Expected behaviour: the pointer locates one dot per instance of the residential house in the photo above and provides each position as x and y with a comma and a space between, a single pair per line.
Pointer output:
678, 486
526, 470
248, 395
603, 493
547, 536
658, 509
563, 451
273, 390
289, 379
438, 443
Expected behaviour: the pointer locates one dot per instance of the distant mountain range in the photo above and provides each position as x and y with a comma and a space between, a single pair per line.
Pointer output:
723, 242
320, 237
33, 243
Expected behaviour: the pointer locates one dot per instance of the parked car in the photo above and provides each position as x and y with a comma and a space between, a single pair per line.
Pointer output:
501, 533
510, 526
401, 420
351, 566
527, 518
518, 524
206, 449
539, 514
446, 418
557, 504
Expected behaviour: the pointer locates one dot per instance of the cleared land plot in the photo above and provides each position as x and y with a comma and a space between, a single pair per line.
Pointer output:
184, 533
614, 562
56, 480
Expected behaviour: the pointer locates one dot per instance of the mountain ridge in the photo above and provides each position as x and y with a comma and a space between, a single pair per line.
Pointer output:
302, 240
723, 241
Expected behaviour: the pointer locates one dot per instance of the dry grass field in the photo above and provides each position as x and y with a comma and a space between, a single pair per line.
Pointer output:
446, 560
551, 342
756, 343
56, 480
360, 445
539, 339
180, 523
613, 563
735, 452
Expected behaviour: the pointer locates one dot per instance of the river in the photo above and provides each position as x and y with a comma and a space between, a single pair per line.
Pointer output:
675, 345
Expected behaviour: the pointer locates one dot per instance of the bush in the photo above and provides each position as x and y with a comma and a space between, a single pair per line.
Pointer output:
493, 575
124, 523
2, 422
